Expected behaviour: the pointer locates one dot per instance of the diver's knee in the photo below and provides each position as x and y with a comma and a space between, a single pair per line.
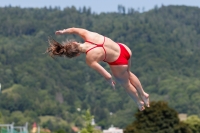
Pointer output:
126, 84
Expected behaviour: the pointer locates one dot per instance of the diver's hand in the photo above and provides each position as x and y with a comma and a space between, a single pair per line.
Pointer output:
112, 83
59, 32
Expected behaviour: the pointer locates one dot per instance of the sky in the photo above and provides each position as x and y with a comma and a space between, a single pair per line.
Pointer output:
99, 6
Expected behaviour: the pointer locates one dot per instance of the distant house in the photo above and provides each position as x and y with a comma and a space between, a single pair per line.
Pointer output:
75, 129
34, 128
113, 129
182, 117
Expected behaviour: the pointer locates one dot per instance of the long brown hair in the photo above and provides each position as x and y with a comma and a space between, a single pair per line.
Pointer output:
67, 48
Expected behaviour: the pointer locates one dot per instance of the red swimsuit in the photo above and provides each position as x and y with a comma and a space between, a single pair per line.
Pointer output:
122, 59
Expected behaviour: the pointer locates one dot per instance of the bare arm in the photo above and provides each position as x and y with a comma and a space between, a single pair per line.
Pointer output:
82, 32
96, 66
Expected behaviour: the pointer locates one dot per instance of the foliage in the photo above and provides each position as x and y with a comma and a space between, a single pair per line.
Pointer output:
194, 122
1, 118
88, 127
159, 118
166, 58
61, 131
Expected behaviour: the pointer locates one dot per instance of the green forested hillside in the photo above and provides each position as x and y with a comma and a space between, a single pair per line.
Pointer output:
166, 57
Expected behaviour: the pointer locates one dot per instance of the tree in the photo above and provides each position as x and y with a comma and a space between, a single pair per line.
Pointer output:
1, 118
194, 122
88, 127
121, 9
158, 118
61, 131
165, 44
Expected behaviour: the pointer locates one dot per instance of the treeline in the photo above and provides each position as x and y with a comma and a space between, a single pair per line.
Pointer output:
160, 118
165, 45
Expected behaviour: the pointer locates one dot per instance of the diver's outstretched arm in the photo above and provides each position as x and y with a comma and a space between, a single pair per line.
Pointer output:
80, 31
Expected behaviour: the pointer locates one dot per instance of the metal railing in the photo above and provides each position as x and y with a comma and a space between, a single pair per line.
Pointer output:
10, 128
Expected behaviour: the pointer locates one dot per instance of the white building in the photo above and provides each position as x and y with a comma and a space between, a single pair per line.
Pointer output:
113, 129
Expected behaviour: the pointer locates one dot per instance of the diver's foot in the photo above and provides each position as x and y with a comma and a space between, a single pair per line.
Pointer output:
145, 98
141, 106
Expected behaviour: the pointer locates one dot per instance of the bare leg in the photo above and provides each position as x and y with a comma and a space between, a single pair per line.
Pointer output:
135, 82
132, 92
122, 76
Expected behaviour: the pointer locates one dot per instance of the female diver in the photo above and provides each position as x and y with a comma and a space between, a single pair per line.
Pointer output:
100, 48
